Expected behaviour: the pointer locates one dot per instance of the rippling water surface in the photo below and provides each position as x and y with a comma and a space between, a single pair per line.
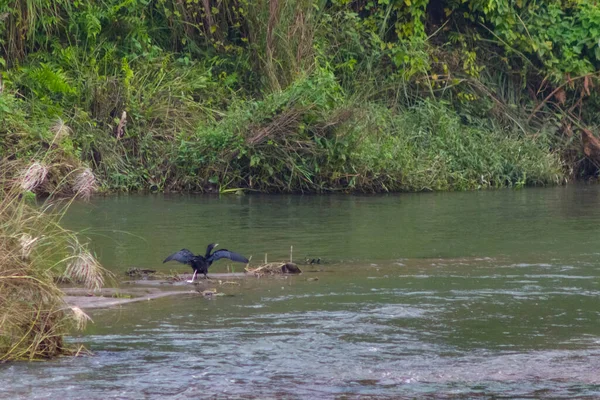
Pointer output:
423, 295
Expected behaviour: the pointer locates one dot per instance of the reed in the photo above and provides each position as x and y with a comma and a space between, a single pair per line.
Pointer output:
35, 250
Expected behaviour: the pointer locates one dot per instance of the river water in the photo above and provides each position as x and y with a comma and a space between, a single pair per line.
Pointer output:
434, 295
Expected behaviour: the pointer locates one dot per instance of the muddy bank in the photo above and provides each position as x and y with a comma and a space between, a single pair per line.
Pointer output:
148, 288
116, 297
131, 291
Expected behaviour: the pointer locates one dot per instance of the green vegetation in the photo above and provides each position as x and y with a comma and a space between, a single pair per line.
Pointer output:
35, 254
274, 96
311, 96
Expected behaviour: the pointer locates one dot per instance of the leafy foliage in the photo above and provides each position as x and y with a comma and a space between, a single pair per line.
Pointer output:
274, 95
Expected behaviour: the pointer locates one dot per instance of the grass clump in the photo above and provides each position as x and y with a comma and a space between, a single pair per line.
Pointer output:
313, 137
428, 147
34, 252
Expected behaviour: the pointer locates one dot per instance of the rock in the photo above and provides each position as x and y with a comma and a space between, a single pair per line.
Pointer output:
290, 268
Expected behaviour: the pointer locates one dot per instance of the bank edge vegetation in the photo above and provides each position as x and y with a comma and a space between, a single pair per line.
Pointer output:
304, 96
36, 254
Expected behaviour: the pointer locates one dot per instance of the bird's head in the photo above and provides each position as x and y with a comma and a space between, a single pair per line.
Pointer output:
211, 247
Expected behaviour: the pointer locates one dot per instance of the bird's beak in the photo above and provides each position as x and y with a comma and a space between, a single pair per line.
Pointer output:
216, 244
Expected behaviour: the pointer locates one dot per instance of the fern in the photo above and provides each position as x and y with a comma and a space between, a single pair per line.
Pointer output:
45, 80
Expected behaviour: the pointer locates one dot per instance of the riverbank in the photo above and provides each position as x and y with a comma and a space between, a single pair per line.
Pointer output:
151, 287
132, 291
303, 97
311, 137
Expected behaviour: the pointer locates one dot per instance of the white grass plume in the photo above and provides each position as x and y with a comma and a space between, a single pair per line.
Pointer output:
84, 267
85, 183
33, 176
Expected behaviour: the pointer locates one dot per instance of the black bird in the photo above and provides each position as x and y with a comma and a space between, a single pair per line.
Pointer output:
201, 263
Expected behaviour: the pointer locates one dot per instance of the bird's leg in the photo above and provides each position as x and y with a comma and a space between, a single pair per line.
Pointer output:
206, 276
193, 277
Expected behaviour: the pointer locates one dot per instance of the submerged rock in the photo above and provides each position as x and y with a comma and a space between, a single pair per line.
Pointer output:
290, 268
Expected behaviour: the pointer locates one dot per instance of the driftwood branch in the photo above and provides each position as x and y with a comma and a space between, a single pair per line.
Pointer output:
121, 127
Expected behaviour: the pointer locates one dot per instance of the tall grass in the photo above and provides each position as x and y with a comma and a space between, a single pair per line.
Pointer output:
35, 251
282, 36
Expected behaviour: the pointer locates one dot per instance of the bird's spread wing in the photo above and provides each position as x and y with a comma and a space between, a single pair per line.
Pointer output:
227, 254
183, 256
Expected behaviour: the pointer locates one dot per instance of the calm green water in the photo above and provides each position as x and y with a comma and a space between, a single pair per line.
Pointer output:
452, 295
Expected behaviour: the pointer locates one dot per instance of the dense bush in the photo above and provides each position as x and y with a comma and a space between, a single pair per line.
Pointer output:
303, 96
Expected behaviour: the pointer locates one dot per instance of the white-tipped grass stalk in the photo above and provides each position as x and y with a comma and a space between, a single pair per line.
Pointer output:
27, 242
85, 183
61, 178
83, 267
60, 131
80, 318
77, 183
32, 177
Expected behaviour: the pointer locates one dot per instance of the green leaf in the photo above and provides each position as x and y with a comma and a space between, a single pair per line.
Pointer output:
254, 160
